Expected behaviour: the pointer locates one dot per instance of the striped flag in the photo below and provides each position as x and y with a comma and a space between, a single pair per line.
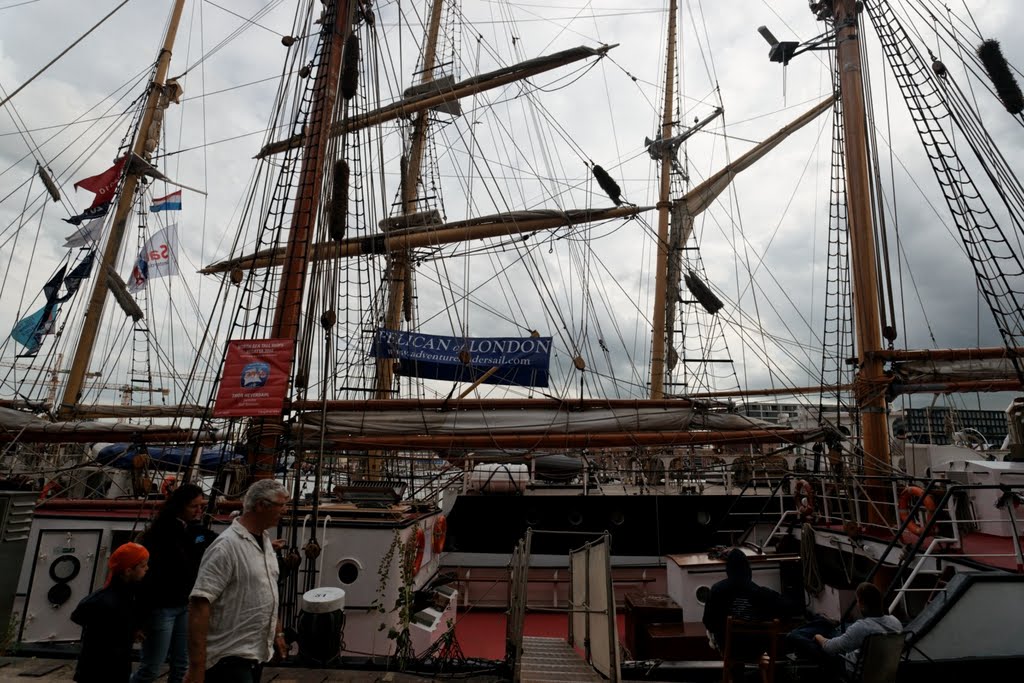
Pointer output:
171, 202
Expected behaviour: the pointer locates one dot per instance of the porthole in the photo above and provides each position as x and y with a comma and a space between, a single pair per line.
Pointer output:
65, 568
702, 594
348, 572
703, 517
617, 518
575, 518
58, 594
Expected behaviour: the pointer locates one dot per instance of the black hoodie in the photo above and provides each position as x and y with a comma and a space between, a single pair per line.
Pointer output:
738, 596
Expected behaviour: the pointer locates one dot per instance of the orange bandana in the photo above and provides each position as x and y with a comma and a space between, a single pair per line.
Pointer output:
124, 558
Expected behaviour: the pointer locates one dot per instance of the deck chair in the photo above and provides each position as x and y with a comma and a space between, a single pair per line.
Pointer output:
750, 643
880, 656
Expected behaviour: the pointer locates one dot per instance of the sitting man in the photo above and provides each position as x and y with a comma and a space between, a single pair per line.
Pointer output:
739, 597
822, 642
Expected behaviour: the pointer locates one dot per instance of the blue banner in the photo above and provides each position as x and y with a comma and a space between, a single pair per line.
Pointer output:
521, 361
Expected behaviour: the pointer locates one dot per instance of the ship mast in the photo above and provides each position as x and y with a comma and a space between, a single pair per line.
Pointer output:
304, 214
399, 274
661, 269
94, 311
864, 270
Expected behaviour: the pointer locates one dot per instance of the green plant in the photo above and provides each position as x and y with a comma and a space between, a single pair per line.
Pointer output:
403, 606
9, 636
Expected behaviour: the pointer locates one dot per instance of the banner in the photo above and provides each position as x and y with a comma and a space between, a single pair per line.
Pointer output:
86, 236
158, 258
521, 361
29, 331
92, 212
255, 379
103, 185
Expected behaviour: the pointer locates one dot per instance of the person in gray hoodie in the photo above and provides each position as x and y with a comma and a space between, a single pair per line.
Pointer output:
821, 641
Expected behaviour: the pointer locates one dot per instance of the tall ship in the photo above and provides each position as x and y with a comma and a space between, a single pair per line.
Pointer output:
471, 282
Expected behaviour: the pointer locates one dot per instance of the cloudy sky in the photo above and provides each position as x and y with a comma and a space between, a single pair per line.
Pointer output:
763, 245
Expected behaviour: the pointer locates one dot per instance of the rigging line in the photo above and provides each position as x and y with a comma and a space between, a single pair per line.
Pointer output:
205, 145
62, 53
230, 37
18, 4
236, 14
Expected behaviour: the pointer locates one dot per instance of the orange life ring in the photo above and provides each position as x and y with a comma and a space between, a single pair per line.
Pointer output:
439, 534
421, 544
803, 495
50, 489
168, 485
914, 528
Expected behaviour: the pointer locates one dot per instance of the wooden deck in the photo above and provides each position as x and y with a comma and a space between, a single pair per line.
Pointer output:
553, 660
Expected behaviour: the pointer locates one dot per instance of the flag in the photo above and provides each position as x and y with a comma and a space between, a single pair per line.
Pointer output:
73, 280
103, 185
158, 258
30, 330
96, 211
86, 236
171, 202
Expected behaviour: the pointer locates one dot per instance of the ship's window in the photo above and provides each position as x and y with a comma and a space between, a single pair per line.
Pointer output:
65, 568
348, 571
702, 594
703, 517
58, 594
575, 518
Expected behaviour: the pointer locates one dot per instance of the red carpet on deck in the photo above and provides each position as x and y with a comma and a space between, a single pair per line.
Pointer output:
481, 634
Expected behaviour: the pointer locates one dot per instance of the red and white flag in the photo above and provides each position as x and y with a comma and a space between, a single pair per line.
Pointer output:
103, 185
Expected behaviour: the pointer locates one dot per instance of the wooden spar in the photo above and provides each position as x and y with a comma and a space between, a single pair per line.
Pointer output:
864, 270
170, 435
498, 225
399, 273
472, 86
768, 392
98, 299
441, 405
573, 441
661, 269
943, 355
979, 385
304, 215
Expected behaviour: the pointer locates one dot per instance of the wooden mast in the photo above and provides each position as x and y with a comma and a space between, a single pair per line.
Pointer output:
94, 311
872, 404
398, 273
661, 269
304, 215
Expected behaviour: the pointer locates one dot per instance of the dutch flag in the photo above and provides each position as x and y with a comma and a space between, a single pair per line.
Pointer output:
171, 202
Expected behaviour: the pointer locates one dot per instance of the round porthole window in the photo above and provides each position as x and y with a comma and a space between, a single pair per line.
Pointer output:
702, 594
617, 518
58, 594
703, 517
348, 572
65, 568
575, 518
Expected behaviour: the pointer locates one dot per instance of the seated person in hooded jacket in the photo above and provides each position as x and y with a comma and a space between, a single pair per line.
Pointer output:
739, 597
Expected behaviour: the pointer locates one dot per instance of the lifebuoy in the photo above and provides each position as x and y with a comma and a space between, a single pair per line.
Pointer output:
168, 485
50, 489
439, 534
421, 544
803, 495
914, 528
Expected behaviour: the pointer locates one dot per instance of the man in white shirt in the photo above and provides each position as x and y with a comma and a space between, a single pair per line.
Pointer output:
233, 625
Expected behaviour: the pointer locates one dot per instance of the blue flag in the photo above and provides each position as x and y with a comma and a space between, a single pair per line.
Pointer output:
97, 211
29, 331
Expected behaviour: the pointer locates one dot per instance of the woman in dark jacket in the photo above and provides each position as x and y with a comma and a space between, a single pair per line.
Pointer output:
176, 542
109, 619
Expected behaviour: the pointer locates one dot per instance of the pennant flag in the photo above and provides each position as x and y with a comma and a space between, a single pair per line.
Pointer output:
97, 211
171, 202
158, 258
73, 280
52, 286
30, 330
103, 185
86, 236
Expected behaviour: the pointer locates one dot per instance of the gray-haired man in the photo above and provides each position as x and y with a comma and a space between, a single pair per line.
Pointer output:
233, 625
